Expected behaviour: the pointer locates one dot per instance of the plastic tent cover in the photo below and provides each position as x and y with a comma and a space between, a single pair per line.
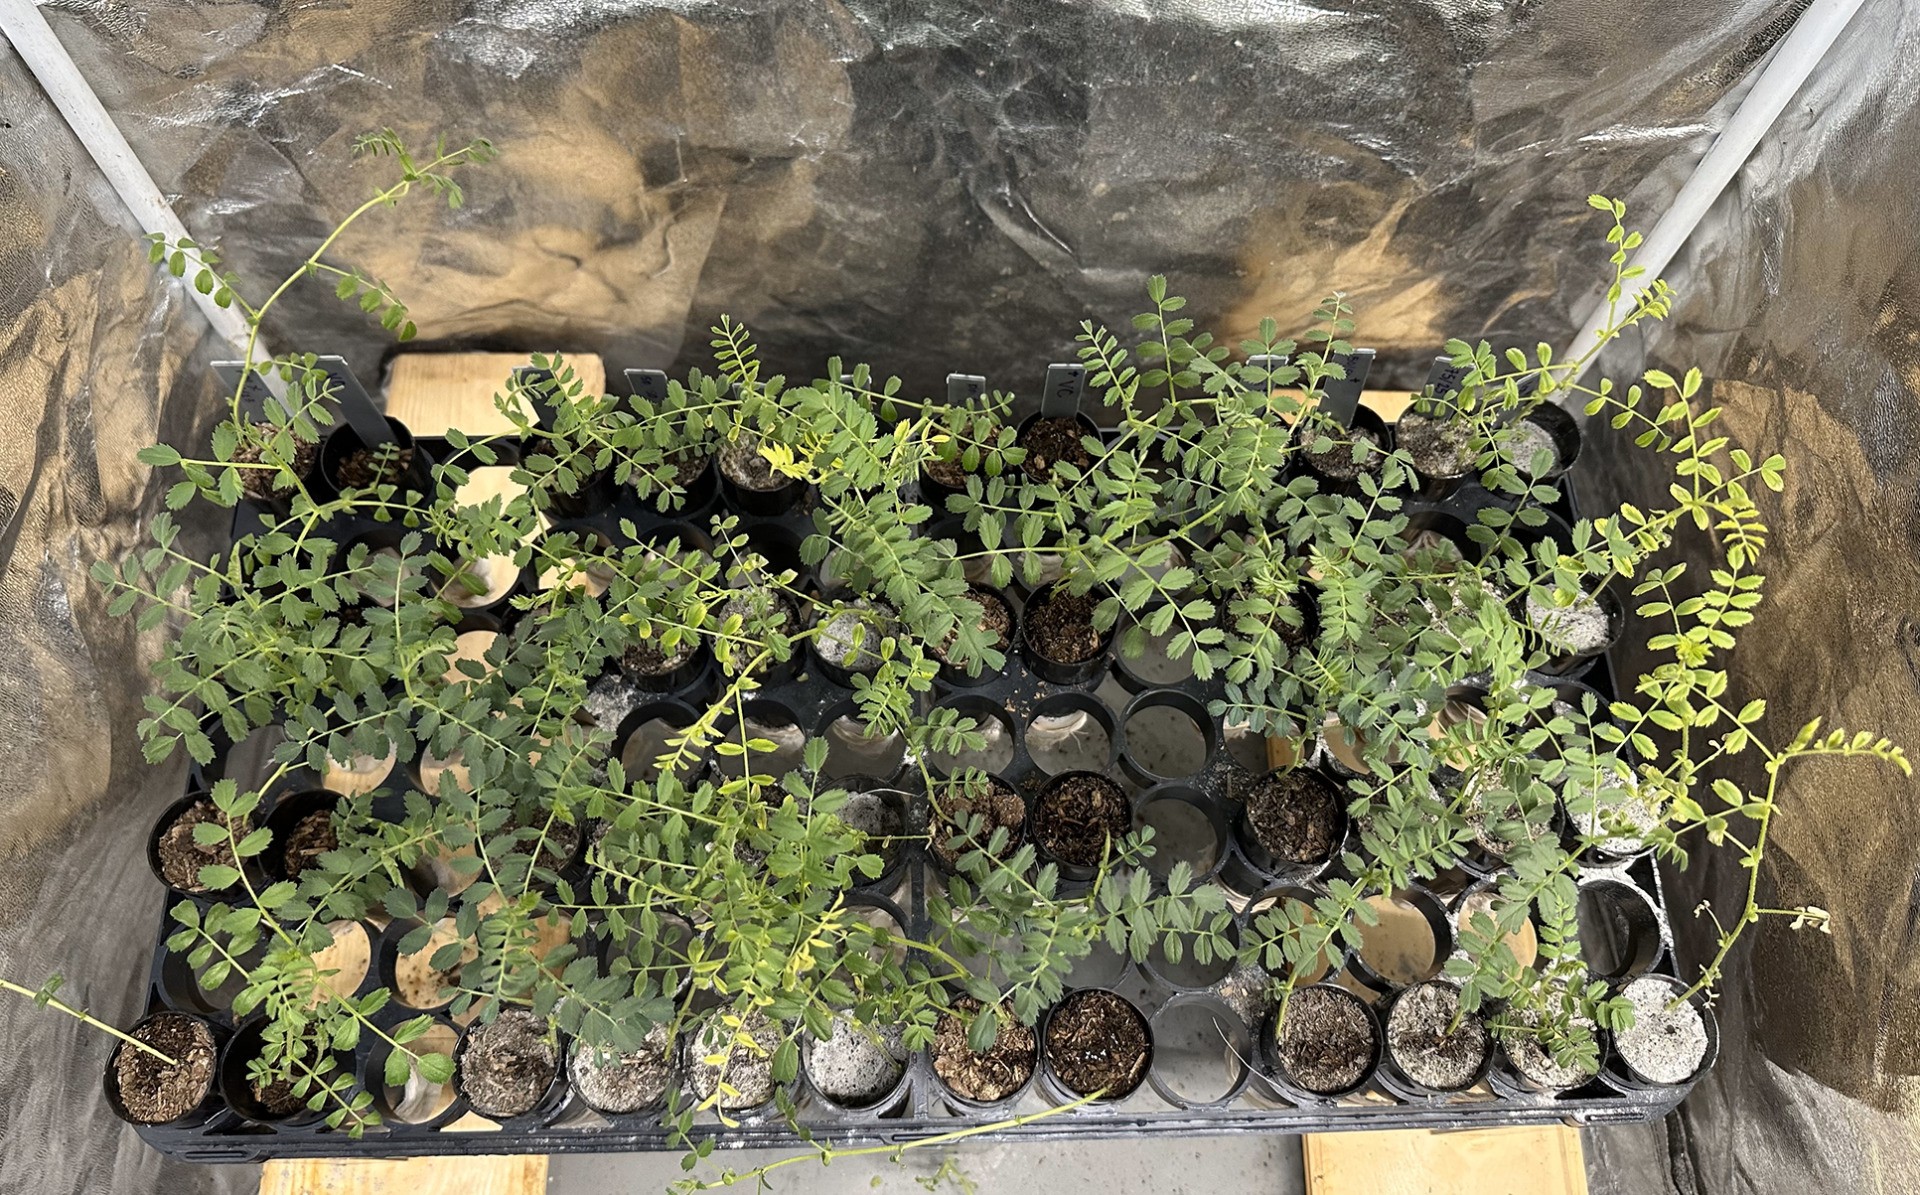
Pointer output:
954, 185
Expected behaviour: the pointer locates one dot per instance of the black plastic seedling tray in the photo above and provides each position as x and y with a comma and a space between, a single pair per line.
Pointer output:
1209, 1074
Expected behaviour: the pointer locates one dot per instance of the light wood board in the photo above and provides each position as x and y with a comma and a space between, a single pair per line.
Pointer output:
431, 392
487, 1175
1535, 1160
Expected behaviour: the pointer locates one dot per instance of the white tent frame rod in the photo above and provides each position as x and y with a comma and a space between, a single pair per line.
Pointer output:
1786, 71
50, 63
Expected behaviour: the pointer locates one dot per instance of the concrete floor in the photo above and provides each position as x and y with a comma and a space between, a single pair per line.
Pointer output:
1268, 1164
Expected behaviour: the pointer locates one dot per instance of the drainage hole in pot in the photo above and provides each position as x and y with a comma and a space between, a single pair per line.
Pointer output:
1166, 741
1401, 948
1152, 663
1182, 833
789, 744
1270, 914
1524, 942
419, 1099
359, 775
348, 956
182, 988
640, 754
1247, 747
1190, 972
417, 983
992, 756
1199, 1052
853, 750
1619, 935
1074, 741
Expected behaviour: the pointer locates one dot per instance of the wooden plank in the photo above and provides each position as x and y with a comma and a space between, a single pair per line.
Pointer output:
431, 392
1534, 1160
487, 1175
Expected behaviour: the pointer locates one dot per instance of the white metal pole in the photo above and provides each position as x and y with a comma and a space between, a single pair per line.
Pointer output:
1787, 69
50, 63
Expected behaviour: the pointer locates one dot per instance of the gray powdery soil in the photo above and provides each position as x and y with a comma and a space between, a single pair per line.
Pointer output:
1417, 1035
1576, 629
835, 643
1439, 447
749, 1071
1526, 440
1665, 1046
622, 1083
508, 1065
857, 1065
1530, 1057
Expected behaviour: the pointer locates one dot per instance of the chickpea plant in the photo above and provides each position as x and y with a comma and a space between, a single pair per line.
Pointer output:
1298, 604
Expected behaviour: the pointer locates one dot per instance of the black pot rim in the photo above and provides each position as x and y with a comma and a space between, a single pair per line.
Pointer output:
1397, 1075
1277, 1074
211, 1101
1225, 1012
545, 1108
1058, 1085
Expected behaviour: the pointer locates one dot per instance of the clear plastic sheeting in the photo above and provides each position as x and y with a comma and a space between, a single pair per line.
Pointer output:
936, 185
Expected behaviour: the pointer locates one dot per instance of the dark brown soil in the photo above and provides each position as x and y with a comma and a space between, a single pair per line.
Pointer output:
278, 1098
1078, 814
1295, 815
644, 658
1417, 1035
154, 1092
997, 806
994, 1075
995, 619
1050, 440
1326, 1040
375, 466
311, 837
1061, 628
687, 467
257, 484
1440, 447
1337, 462
1095, 1041
508, 1065
181, 858
947, 473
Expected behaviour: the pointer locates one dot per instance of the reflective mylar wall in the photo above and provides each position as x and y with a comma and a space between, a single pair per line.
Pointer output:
943, 184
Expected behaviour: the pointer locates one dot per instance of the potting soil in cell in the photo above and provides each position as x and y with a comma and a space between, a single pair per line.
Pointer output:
1665, 1044
1439, 446
1338, 463
1326, 1040
622, 1083
744, 1066
1427, 1045
155, 1091
1580, 627
1531, 1057
506, 1066
1525, 442
856, 1064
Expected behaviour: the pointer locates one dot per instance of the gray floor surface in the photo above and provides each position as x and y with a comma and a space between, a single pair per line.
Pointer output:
1268, 1164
